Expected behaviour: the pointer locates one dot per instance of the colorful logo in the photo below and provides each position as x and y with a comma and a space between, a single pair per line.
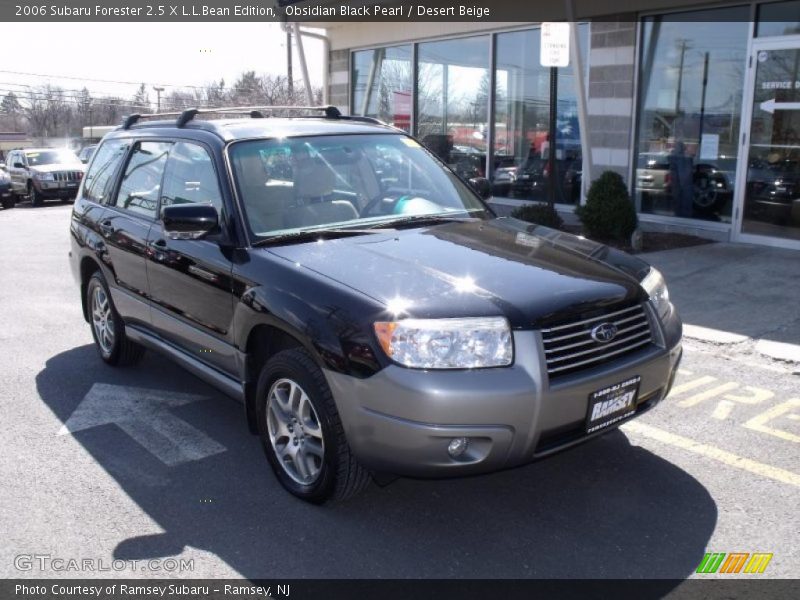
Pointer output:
734, 562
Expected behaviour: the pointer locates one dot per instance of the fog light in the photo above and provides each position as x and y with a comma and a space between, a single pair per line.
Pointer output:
458, 446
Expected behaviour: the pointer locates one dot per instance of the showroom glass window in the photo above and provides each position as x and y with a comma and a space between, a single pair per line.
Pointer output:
521, 121
454, 85
779, 18
382, 85
690, 94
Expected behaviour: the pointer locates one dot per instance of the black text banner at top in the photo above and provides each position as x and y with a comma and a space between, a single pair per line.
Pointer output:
320, 11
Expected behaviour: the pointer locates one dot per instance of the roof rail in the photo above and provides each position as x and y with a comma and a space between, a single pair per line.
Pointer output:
255, 112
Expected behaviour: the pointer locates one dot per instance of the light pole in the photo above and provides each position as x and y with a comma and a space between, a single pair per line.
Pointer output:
158, 91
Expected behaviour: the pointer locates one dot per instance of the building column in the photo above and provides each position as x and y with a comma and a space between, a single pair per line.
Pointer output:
339, 80
611, 105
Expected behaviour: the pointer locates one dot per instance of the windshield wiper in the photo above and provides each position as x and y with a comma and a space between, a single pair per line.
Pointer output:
423, 220
314, 234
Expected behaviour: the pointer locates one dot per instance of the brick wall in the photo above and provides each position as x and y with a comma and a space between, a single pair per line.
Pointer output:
611, 102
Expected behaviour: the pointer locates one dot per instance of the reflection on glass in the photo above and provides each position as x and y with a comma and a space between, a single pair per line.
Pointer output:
779, 18
522, 112
692, 71
382, 85
453, 102
772, 196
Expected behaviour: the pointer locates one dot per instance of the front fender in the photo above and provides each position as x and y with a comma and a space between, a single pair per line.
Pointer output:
332, 322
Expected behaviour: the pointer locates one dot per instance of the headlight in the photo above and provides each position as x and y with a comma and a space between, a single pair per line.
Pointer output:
44, 176
656, 288
447, 343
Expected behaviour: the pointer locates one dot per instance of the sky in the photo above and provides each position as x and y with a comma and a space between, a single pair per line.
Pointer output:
179, 54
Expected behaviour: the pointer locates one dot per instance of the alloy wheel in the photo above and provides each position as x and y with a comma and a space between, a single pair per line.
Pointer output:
102, 320
295, 431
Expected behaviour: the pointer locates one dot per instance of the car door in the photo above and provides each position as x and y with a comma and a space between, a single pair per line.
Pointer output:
190, 280
17, 173
126, 223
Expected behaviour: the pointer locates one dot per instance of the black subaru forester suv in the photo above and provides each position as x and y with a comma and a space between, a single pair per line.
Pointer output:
365, 305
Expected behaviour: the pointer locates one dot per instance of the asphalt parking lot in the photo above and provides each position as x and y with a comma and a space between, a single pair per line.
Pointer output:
712, 469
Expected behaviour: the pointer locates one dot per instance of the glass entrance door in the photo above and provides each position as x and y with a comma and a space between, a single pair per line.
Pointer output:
770, 195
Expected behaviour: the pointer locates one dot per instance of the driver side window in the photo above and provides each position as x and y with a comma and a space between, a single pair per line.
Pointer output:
141, 184
191, 178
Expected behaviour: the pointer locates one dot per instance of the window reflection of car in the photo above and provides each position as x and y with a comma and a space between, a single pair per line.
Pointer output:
655, 181
773, 187
532, 177
86, 153
504, 173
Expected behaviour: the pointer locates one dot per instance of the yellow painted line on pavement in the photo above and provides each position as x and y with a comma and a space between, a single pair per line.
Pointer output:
690, 385
723, 456
759, 422
715, 391
723, 410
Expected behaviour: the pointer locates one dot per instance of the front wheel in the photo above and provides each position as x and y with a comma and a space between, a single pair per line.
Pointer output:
301, 432
35, 196
8, 203
108, 330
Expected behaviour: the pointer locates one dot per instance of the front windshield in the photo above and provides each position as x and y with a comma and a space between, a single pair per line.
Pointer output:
295, 184
50, 157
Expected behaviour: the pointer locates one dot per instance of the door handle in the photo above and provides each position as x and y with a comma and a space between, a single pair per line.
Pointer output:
106, 227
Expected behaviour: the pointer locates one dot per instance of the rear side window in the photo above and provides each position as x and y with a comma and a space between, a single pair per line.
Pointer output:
141, 183
100, 176
190, 177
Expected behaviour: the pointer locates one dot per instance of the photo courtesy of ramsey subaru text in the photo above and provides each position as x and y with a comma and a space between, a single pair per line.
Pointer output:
362, 301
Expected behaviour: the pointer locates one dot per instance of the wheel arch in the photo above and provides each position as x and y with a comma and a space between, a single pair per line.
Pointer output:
263, 341
88, 267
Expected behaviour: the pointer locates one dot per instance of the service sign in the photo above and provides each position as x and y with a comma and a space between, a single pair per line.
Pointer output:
554, 50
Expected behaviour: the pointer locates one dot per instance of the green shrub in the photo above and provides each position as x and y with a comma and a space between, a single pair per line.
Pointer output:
608, 213
539, 213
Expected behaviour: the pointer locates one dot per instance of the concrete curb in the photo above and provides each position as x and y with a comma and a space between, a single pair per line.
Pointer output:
713, 336
775, 350
779, 350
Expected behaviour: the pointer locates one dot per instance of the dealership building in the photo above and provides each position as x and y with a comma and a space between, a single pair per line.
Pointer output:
696, 106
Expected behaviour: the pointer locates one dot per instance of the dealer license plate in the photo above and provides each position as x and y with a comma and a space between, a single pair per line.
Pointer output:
612, 404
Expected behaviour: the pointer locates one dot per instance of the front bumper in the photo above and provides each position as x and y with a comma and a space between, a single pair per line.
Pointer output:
57, 189
402, 420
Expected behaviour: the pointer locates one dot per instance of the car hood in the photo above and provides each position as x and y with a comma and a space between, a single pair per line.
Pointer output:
530, 274
58, 168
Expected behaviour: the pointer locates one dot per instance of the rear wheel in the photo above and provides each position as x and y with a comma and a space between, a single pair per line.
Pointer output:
8, 202
301, 432
108, 329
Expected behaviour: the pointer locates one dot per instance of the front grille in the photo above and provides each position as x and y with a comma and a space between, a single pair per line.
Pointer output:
570, 347
68, 175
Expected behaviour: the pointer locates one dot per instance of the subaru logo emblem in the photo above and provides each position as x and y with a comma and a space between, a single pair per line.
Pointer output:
604, 333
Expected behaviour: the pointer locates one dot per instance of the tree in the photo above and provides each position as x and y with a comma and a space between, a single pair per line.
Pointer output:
246, 89
11, 110
141, 100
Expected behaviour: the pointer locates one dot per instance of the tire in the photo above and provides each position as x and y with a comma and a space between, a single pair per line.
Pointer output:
35, 196
108, 329
294, 402
8, 203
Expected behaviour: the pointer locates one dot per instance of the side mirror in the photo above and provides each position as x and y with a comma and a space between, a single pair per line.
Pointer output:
19, 165
482, 186
189, 221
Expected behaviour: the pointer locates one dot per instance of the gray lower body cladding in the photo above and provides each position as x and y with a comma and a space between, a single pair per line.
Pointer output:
402, 420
